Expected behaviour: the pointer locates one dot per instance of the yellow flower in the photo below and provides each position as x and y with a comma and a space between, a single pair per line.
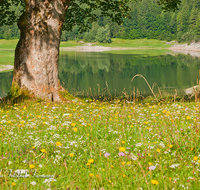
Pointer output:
155, 182
31, 166
58, 144
170, 145
128, 163
88, 164
112, 166
33, 147
43, 150
9, 121
71, 154
90, 161
123, 163
21, 122
124, 175
123, 142
158, 150
73, 124
91, 175
13, 184
195, 158
122, 149
164, 111
150, 163
75, 129
129, 116
188, 117
145, 122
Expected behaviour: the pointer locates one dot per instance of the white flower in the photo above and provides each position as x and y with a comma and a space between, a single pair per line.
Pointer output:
52, 128
33, 183
138, 144
132, 156
174, 165
40, 166
56, 136
10, 162
162, 144
49, 180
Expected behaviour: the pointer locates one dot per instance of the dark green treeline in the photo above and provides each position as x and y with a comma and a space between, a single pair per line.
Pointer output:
148, 21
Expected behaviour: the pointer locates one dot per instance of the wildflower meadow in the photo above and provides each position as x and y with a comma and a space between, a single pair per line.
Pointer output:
85, 144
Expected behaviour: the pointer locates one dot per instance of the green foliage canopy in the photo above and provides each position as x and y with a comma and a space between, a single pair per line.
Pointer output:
84, 12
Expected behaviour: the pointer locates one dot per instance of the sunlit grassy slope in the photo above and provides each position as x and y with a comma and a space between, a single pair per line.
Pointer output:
138, 43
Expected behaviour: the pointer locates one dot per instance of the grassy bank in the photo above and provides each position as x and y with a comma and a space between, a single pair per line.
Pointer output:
11, 44
138, 43
7, 57
7, 48
82, 145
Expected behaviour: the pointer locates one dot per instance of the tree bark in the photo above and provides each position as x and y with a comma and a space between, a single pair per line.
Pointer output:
37, 52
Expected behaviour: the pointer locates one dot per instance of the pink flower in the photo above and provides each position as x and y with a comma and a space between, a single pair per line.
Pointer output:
121, 154
106, 154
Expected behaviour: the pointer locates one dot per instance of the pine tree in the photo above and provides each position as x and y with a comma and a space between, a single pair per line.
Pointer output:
193, 17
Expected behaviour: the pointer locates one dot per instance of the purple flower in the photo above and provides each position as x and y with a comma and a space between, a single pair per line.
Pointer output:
17, 115
106, 154
128, 148
152, 167
121, 154
53, 107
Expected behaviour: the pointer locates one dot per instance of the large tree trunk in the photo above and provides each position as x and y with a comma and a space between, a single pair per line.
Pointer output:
37, 52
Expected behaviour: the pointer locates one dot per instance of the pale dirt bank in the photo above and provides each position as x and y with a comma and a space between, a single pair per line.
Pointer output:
191, 47
6, 67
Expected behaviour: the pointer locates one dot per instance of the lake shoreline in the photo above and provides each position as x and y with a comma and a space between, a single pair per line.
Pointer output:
7, 67
186, 47
193, 49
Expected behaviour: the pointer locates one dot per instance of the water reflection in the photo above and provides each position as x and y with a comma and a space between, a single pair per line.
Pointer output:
88, 73
92, 73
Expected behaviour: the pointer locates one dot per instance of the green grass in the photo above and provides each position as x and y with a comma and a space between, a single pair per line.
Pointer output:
70, 44
8, 44
138, 43
79, 144
7, 57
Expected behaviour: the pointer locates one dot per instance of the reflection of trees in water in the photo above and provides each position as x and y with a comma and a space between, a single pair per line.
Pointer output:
5, 83
118, 70
82, 71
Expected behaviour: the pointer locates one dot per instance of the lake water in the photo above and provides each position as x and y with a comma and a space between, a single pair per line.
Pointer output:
98, 73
